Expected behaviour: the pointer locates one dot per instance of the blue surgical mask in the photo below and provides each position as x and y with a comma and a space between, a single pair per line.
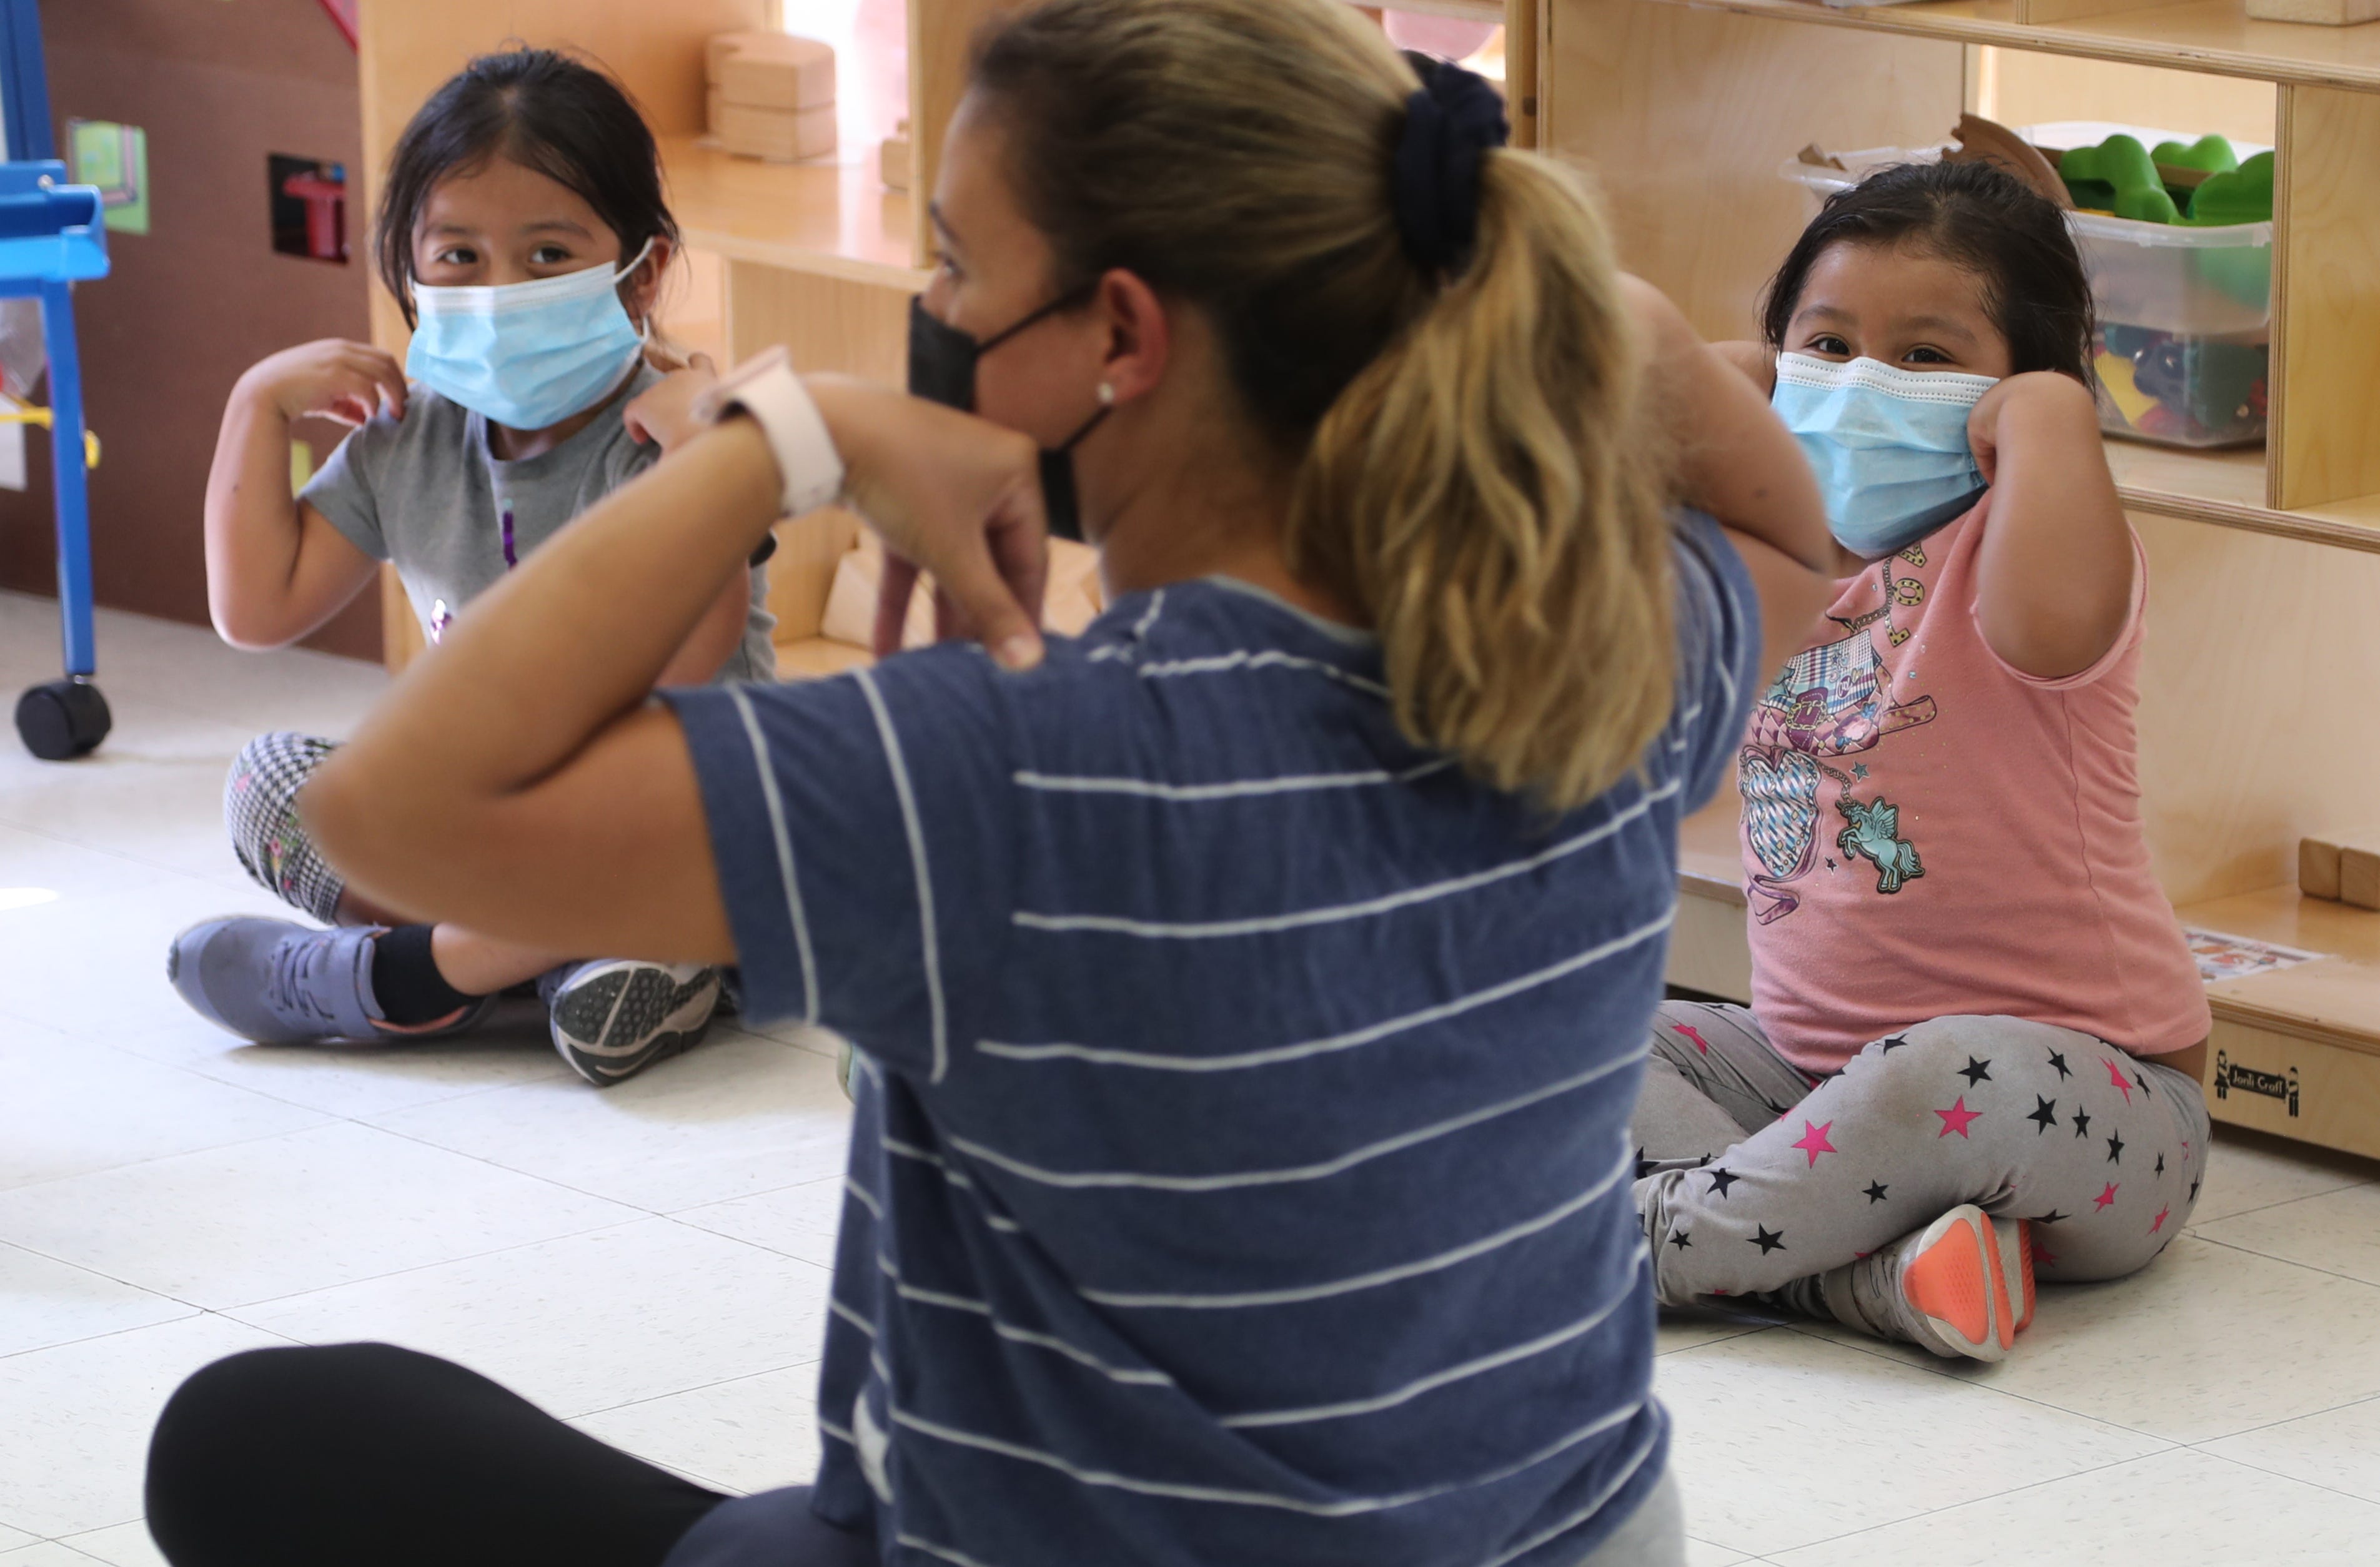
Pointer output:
526, 355
1888, 446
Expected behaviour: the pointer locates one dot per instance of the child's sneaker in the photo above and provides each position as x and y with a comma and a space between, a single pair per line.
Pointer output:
1944, 1289
2015, 1239
282, 983
612, 1017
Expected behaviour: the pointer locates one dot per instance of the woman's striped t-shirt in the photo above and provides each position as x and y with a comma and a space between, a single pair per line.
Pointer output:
1239, 1171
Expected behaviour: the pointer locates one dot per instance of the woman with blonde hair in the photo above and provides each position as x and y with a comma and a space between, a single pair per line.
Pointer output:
1250, 996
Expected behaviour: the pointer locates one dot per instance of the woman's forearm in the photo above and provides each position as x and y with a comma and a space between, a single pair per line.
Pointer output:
547, 659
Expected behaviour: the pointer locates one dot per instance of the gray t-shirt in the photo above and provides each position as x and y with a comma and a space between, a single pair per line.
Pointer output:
424, 493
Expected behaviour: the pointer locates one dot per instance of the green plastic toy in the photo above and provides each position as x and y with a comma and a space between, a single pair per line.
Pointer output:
2118, 176
2240, 195
2210, 154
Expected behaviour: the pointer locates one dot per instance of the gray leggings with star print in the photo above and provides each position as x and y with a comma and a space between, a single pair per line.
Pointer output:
1752, 1175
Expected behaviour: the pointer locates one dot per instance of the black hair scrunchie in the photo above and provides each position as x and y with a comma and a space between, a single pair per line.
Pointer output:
1434, 179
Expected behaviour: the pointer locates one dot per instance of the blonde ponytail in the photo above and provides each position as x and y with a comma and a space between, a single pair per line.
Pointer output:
1487, 490
1471, 469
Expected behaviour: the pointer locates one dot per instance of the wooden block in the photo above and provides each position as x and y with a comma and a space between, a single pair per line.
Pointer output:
772, 70
2323, 13
2318, 868
2358, 876
896, 161
779, 136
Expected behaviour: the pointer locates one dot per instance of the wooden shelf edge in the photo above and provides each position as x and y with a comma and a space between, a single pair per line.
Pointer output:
2304, 526
2055, 39
729, 246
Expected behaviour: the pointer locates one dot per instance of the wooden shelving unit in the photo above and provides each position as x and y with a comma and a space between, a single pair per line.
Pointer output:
832, 219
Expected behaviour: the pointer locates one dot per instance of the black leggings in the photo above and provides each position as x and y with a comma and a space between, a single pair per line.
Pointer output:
367, 1455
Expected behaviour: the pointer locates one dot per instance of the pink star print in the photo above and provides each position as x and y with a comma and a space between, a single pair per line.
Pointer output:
2105, 1197
1814, 1141
1700, 1043
2160, 1218
2185, 1150
2116, 1079
2042, 1254
1954, 1118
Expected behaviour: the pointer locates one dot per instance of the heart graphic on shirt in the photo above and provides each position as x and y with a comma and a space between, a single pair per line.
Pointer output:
1780, 810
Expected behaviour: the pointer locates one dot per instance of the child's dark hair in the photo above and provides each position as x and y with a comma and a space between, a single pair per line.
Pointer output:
544, 111
1977, 217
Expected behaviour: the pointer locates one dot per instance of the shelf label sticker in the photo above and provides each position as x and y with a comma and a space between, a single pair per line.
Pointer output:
114, 158
2236, 957
2230, 1074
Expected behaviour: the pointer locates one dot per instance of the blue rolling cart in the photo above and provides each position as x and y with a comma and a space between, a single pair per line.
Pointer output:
51, 237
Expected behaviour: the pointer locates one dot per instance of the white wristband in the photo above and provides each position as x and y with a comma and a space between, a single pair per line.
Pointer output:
767, 388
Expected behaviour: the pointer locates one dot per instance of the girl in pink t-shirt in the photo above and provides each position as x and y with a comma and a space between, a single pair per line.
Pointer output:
1976, 1034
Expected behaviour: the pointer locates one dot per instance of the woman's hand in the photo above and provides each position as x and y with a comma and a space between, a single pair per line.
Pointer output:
331, 379
951, 495
662, 414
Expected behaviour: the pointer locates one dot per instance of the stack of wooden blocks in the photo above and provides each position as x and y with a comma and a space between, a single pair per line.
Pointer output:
772, 96
2344, 868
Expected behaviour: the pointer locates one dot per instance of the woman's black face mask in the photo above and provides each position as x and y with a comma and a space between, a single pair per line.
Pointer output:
941, 370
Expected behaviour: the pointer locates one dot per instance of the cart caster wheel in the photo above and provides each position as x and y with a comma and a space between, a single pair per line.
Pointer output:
61, 720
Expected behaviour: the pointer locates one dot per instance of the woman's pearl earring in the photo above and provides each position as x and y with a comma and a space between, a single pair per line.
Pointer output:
1107, 395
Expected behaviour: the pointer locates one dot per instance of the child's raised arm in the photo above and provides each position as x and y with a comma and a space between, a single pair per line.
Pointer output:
276, 568
2054, 577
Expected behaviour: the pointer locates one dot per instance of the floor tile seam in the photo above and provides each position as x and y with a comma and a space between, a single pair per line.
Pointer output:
514, 1170
2280, 1473
699, 1387
209, 1078
1948, 1371
2197, 1223
329, 1119
2290, 1262
259, 1304
196, 1312
37, 830
841, 1180
2291, 1420
1722, 1338
1975, 1501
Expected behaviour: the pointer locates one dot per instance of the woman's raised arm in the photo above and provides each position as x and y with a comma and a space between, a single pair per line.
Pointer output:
518, 780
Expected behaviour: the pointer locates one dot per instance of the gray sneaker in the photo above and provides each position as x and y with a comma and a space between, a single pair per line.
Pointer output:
612, 1017
282, 983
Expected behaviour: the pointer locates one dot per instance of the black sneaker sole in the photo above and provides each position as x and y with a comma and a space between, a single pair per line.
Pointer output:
625, 1020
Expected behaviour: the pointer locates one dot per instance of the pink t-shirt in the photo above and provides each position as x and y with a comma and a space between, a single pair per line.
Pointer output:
1928, 833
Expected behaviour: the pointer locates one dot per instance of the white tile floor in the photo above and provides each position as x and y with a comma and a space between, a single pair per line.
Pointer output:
651, 1262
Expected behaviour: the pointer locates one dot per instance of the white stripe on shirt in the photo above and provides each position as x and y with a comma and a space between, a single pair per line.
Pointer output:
1241, 659
1057, 783
1398, 1274
1602, 1500
775, 804
1105, 1056
932, 952
1117, 924
1317, 1172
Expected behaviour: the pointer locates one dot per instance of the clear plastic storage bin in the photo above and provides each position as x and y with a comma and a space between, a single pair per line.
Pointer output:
2185, 314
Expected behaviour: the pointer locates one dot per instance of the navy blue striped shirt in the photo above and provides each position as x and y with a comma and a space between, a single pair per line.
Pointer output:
1240, 1172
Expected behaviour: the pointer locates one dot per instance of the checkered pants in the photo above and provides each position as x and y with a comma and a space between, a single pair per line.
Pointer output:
261, 813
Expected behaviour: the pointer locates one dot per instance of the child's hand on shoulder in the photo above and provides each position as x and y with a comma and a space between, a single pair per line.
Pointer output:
662, 413
330, 379
2038, 409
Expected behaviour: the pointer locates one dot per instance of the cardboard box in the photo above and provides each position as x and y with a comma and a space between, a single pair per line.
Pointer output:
779, 136
772, 70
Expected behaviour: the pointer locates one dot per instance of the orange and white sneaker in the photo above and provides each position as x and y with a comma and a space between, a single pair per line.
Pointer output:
2015, 1238
1944, 1289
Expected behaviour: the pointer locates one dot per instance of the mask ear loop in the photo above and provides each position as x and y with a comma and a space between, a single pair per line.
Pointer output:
644, 327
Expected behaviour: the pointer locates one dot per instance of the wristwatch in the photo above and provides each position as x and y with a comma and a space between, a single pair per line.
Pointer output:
766, 389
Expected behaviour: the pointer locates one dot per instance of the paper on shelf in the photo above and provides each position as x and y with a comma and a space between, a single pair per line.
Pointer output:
2222, 956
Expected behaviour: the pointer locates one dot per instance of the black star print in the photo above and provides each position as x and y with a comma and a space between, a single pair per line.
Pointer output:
2160, 1169
1875, 1190
1830, 864
1679, 1241
2143, 1082
2116, 1150
1721, 1180
2052, 1217
1643, 1165
2060, 1061
2045, 1111
1976, 1071
1767, 1240
2081, 1124
2194, 1191
1895, 1044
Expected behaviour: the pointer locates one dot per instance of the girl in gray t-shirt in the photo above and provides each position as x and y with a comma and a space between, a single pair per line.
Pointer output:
523, 232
